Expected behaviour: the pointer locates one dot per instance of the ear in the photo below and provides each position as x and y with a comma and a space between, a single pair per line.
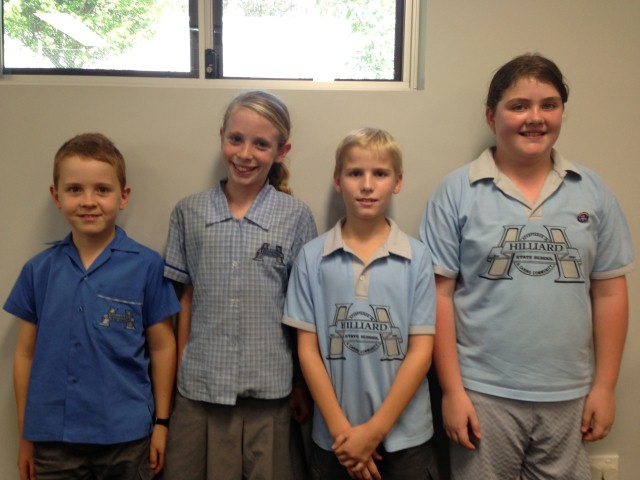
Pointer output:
124, 197
491, 119
221, 134
54, 195
282, 153
336, 182
396, 189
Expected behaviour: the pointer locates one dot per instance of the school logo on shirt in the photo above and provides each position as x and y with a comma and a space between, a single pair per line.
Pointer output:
535, 254
363, 332
113, 315
266, 251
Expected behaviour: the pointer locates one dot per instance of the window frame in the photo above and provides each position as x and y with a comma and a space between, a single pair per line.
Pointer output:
194, 62
412, 61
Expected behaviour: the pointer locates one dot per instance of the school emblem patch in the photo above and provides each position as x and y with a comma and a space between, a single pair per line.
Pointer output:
364, 332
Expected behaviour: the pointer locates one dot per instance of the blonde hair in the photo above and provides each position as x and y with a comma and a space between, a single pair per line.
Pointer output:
375, 139
276, 112
91, 146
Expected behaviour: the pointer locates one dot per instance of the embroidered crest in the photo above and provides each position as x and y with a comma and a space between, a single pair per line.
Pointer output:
113, 316
266, 251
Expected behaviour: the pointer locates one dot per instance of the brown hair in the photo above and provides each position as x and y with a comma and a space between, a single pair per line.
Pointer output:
529, 65
273, 109
93, 146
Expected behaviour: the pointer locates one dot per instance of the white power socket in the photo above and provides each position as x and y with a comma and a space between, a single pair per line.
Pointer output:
604, 467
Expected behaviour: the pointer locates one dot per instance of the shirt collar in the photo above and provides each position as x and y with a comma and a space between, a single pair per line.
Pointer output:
484, 167
120, 242
260, 212
397, 242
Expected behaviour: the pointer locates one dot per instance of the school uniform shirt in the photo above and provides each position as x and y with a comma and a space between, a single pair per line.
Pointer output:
89, 379
522, 304
363, 315
239, 269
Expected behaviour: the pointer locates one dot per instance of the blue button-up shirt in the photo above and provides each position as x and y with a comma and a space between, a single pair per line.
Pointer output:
90, 374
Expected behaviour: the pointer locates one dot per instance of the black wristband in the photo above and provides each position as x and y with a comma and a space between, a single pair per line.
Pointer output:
161, 421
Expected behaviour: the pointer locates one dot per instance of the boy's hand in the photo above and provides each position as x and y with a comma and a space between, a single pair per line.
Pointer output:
460, 419
367, 470
26, 465
157, 448
300, 402
598, 414
356, 445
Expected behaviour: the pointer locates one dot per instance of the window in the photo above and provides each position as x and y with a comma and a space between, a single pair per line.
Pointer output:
100, 37
324, 41
308, 39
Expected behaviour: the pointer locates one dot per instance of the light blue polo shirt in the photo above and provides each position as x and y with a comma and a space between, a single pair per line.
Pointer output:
522, 303
90, 375
363, 315
239, 269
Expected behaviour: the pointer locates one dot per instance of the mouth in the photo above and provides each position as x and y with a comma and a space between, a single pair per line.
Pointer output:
242, 168
89, 217
366, 201
533, 134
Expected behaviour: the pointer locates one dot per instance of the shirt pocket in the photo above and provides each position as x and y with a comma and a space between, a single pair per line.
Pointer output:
119, 321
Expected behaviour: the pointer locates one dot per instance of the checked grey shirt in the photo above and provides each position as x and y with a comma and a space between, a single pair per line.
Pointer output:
239, 269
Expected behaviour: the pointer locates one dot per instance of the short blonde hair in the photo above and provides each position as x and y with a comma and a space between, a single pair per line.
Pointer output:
375, 139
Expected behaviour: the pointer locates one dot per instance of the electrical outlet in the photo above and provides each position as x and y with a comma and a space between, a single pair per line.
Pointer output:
604, 467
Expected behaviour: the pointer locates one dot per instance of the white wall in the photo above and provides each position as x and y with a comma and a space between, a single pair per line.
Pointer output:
169, 137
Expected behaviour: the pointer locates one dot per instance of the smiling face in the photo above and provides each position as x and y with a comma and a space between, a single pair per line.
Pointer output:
526, 122
90, 196
250, 146
367, 181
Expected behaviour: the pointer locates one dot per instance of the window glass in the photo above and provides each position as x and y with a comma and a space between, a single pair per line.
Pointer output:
106, 35
322, 40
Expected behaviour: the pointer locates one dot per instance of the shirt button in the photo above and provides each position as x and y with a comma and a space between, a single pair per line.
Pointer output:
362, 278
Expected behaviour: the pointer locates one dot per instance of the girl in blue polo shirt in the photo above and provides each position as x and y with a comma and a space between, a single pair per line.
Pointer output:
231, 249
530, 253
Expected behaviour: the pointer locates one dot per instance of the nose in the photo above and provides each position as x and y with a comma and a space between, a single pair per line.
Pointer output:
367, 183
87, 199
244, 151
535, 116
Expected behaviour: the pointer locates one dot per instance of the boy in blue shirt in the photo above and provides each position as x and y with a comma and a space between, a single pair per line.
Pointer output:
362, 297
96, 354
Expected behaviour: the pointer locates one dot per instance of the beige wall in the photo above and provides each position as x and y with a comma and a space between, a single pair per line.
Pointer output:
169, 137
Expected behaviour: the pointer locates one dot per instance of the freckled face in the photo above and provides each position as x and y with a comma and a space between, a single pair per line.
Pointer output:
526, 122
367, 182
250, 146
89, 195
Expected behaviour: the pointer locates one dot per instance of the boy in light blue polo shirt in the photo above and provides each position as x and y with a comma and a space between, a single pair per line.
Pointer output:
95, 320
362, 297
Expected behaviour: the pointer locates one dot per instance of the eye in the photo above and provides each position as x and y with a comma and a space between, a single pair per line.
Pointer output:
73, 189
263, 144
550, 106
103, 190
381, 173
234, 139
518, 107
354, 173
